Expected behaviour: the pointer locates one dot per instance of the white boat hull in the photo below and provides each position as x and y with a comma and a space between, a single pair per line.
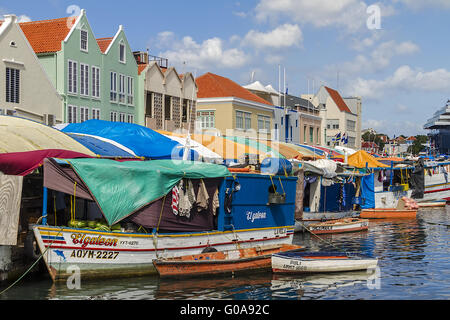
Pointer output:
436, 186
111, 254
315, 217
293, 265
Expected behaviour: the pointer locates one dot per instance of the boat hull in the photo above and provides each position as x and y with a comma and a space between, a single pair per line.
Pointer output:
220, 263
309, 218
319, 263
116, 254
386, 213
339, 226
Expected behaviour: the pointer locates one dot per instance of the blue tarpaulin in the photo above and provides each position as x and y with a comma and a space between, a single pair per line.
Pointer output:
331, 199
144, 142
101, 147
368, 192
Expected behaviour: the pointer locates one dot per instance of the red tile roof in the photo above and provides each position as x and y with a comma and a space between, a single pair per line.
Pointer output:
141, 67
103, 43
47, 35
338, 100
211, 85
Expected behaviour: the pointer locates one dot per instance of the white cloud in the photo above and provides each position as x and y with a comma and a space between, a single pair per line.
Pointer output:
419, 4
283, 36
208, 54
23, 18
405, 79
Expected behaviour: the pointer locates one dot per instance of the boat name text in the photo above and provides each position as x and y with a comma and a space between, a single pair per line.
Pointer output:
80, 238
256, 215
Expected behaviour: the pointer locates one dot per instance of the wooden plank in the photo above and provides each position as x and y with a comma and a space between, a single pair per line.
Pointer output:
299, 195
10, 197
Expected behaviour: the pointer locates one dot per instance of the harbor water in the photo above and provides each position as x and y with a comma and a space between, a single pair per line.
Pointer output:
414, 263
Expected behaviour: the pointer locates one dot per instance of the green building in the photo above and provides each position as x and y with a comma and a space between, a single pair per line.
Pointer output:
97, 78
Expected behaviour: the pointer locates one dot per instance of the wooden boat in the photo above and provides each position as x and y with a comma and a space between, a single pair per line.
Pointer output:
432, 204
339, 226
315, 262
384, 213
220, 262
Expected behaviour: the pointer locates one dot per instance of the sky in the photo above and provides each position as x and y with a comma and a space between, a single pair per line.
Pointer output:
392, 53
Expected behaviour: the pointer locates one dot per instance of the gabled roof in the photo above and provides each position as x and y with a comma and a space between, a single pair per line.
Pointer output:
211, 85
47, 35
141, 67
338, 100
104, 43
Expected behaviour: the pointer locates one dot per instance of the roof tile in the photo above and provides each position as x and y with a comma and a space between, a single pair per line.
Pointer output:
338, 100
103, 43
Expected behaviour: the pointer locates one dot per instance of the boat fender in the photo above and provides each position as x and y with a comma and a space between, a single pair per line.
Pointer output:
31, 247
209, 249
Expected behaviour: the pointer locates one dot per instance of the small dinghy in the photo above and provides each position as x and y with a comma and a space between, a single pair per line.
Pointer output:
386, 213
339, 226
315, 262
221, 262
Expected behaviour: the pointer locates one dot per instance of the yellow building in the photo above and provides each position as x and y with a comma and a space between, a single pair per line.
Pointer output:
227, 108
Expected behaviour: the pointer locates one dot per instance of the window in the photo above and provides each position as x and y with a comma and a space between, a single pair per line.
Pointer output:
12, 85
130, 90
243, 120
351, 125
95, 113
122, 52
113, 116
84, 114
206, 119
72, 76
333, 124
71, 114
304, 133
113, 92
122, 117
311, 134
84, 79
263, 123
83, 40
130, 118
121, 88
317, 135
96, 82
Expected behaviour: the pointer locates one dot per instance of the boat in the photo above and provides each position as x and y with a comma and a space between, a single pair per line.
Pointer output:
339, 226
432, 204
220, 262
327, 195
114, 232
387, 213
437, 184
316, 262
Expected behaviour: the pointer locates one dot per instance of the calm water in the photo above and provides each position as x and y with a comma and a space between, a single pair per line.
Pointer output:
414, 261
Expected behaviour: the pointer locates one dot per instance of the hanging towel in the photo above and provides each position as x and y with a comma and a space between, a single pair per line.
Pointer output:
202, 196
186, 199
175, 199
215, 201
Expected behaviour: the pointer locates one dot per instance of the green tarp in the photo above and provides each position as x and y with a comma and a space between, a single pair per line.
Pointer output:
122, 188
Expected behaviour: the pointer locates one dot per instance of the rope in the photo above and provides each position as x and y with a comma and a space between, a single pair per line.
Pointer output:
32, 266
155, 234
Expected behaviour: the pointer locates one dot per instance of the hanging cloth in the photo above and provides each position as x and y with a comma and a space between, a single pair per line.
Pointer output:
175, 199
186, 198
215, 201
202, 197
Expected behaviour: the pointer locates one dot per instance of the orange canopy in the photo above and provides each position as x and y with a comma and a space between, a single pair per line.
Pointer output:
360, 158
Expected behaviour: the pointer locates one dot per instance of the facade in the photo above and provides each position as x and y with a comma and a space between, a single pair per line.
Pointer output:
296, 120
227, 108
338, 117
26, 91
96, 77
439, 126
169, 98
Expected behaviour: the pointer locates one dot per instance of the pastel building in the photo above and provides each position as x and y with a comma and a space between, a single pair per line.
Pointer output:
228, 108
97, 78
25, 89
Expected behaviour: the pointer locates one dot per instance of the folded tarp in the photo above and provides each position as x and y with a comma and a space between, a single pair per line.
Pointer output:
23, 163
144, 142
101, 147
124, 188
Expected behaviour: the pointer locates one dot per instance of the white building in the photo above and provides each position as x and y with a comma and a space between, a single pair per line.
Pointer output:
29, 93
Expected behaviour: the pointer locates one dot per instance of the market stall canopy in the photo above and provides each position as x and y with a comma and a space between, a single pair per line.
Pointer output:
123, 188
23, 163
103, 147
206, 154
225, 148
345, 149
143, 141
306, 152
360, 158
19, 135
264, 147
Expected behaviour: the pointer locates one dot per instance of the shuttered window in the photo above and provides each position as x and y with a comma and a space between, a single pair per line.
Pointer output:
12, 85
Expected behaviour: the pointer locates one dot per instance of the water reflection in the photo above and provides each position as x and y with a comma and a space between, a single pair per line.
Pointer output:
413, 259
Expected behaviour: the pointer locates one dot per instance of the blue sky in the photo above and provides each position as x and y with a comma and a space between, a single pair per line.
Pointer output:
400, 70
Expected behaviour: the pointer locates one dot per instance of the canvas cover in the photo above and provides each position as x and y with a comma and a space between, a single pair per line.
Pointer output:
368, 191
19, 135
361, 157
143, 141
23, 163
263, 146
101, 147
123, 188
